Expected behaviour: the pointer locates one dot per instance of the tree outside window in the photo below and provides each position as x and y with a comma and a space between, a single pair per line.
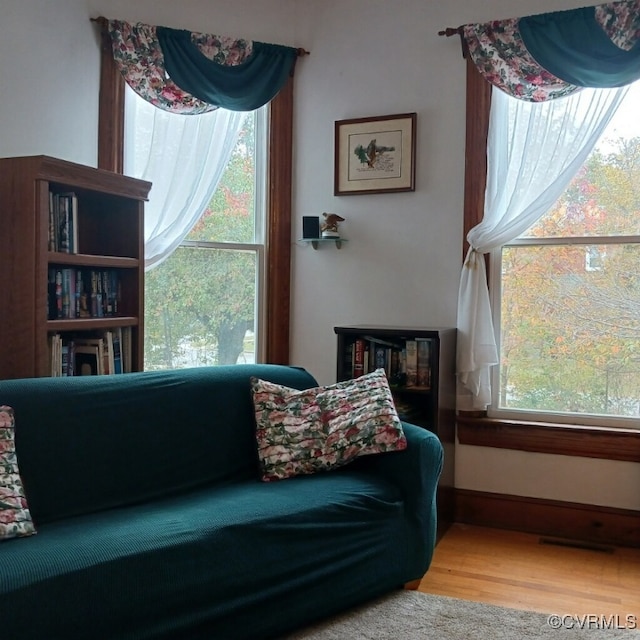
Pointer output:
569, 300
202, 304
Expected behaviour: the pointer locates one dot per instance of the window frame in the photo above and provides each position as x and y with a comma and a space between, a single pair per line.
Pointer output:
495, 284
258, 245
277, 278
476, 428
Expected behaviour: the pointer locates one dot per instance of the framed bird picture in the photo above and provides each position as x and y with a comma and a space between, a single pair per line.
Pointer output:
375, 155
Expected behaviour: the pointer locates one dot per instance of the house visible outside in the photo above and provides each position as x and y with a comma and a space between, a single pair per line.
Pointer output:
570, 290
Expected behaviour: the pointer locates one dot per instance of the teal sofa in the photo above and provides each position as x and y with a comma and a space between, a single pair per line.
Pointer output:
152, 521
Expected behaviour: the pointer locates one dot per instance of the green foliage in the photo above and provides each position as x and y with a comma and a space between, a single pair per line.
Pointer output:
230, 216
571, 313
200, 302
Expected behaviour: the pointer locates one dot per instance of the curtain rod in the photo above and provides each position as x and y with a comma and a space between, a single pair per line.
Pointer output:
450, 31
104, 22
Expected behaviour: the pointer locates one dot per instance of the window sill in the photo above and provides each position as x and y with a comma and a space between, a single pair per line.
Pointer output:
560, 439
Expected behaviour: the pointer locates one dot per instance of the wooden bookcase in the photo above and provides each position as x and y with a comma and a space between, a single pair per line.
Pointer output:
110, 233
428, 402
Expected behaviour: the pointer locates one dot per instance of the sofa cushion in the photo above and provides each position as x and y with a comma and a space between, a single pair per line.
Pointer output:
15, 519
129, 438
211, 563
317, 429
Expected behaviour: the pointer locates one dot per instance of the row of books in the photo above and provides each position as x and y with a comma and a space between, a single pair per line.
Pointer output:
105, 354
406, 363
63, 222
83, 292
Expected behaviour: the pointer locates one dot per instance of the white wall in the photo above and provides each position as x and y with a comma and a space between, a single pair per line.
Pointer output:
541, 475
50, 62
368, 57
402, 262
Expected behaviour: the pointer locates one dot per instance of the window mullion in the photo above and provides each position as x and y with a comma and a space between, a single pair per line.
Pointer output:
228, 246
532, 241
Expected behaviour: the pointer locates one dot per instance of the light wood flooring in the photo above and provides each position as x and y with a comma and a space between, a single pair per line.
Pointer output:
520, 571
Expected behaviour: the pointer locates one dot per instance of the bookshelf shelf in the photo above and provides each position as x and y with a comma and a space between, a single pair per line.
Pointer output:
83, 259
91, 324
423, 387
72, 261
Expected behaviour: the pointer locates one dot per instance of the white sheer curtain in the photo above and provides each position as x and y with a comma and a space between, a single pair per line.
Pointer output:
184, 157
533, 152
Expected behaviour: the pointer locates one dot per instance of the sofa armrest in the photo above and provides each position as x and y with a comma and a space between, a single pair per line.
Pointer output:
416, 471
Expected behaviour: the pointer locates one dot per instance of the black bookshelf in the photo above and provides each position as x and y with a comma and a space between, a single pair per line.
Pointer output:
425, 397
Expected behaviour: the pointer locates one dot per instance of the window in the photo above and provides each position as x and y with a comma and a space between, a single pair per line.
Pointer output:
567, 294
279, 175
203, 304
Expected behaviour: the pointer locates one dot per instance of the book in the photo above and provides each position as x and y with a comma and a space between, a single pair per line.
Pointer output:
117, 350
99, 296
72, 208
54, 294
87, 355
63, 222
402, 362
358, 357
107, 294
411, 348
58, 293
380, 357
64, 359
90, 345
109, 360
423, 363
71, 358
394, 363
64, 231
52, 224
367, 358
127, 350
55, 355
84, 294
348, 358
61, 356
69, 302
86, 360
78, 293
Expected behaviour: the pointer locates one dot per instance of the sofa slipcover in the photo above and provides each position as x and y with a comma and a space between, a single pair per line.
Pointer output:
152, 520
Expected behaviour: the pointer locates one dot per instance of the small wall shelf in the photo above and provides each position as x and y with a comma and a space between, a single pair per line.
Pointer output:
315, 242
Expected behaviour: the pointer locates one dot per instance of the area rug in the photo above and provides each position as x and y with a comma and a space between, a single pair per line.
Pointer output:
411, 615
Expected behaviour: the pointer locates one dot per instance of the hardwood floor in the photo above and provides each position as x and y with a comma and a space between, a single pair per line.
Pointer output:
525, 571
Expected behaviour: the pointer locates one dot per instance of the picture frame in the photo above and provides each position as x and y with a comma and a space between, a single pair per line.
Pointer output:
375, 155
86, 360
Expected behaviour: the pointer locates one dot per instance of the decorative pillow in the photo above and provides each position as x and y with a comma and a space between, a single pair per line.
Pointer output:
15, 519
301, 432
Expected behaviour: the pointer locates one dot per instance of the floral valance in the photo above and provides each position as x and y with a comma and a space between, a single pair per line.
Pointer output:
189, 73
551, 55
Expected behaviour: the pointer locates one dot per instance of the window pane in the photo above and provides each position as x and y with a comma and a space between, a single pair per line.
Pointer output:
570, 339
230, 216
604, 197
201, 309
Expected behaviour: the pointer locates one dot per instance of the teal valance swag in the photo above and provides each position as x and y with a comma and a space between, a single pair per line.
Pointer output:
188, 72
550, 55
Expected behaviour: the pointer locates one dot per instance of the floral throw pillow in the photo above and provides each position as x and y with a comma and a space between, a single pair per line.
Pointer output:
15, 519
302, 432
